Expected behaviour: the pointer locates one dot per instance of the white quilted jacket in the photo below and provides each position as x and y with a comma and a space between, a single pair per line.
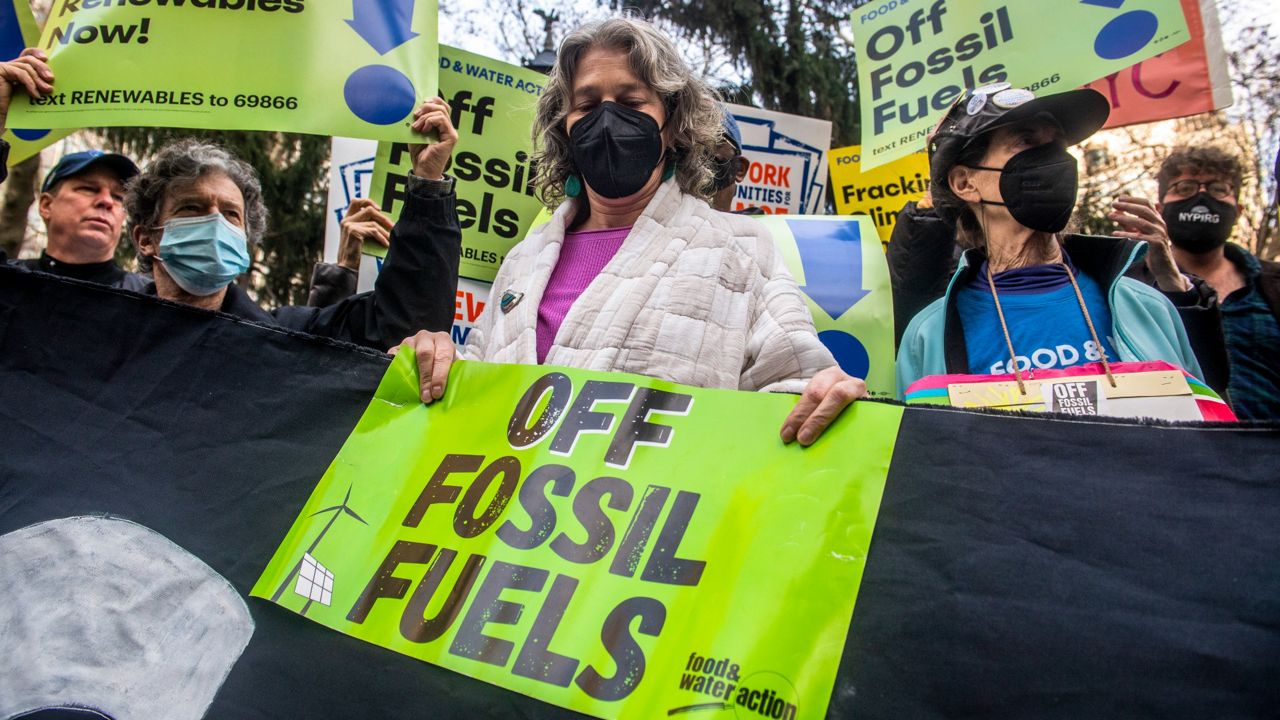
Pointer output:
693, 296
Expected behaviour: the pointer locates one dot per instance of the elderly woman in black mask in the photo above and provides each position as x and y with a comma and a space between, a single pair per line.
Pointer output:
635, 272
1026, 296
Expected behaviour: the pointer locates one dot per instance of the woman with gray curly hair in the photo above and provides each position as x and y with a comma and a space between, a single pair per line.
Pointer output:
635, 272
195, 213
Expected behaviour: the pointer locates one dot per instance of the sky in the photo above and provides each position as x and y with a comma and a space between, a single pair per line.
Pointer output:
1266, 11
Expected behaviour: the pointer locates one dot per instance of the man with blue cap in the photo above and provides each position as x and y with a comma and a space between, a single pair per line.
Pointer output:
82, 205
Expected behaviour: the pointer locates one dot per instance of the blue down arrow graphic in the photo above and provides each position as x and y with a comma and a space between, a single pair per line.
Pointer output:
384, 24
831, 254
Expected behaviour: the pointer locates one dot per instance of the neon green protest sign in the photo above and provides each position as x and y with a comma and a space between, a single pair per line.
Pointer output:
616, 545
355, 69
915, 57
493, 105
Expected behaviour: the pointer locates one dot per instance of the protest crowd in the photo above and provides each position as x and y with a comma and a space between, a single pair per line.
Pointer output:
1171, 289
643, 264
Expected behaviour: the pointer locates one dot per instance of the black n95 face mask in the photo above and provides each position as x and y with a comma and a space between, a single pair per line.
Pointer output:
616, 149
1039, 187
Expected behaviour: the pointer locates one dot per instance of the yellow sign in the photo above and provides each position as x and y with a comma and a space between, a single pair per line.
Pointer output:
879, 192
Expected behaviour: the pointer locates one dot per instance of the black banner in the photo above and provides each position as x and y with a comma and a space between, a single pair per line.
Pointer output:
1020, 566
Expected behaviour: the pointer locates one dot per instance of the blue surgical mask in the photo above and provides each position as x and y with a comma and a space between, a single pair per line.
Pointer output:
203, 254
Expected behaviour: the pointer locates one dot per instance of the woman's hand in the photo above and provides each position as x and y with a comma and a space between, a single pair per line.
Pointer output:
429, 161
823, 399
435, 353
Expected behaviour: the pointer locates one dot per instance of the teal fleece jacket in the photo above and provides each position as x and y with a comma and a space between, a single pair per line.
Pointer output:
1144, 324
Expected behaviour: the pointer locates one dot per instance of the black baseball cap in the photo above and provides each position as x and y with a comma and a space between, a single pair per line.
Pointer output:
78, 162
1080, 113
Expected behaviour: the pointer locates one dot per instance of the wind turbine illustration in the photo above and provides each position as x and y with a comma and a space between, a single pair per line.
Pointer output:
337, 511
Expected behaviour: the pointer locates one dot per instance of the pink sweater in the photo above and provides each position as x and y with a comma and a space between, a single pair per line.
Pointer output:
582, 256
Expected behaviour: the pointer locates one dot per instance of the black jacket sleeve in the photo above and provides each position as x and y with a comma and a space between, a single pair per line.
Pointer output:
331, 284
417, 287
1201, 315
922, 258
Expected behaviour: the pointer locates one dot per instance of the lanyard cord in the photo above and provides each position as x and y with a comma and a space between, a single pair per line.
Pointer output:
1008, 339
1102, 353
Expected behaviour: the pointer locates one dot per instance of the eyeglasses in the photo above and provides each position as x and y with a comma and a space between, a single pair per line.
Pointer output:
1219, 189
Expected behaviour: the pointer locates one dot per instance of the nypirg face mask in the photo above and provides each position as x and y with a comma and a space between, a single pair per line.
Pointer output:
1039, 187
616, 149
1200, 223
203, 254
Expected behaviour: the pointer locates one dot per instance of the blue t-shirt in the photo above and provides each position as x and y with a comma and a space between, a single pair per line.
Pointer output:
1044, 318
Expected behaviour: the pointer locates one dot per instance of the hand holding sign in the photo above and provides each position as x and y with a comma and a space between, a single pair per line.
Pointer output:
435, 353
365, 222
429, 161
18, 32
825, 397
28, 71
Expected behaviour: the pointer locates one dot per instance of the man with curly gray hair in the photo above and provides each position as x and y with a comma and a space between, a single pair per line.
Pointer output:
196, 213
635, 272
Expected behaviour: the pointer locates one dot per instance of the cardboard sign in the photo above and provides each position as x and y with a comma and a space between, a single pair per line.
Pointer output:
788, 156
1187, 80
881, 192
349, 69
530, 530
1154, 389
916, 58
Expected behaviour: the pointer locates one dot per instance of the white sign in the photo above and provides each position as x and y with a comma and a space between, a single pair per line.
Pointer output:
788, 155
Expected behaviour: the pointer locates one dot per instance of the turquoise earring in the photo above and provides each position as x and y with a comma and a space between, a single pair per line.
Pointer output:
669, 171
572, 186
